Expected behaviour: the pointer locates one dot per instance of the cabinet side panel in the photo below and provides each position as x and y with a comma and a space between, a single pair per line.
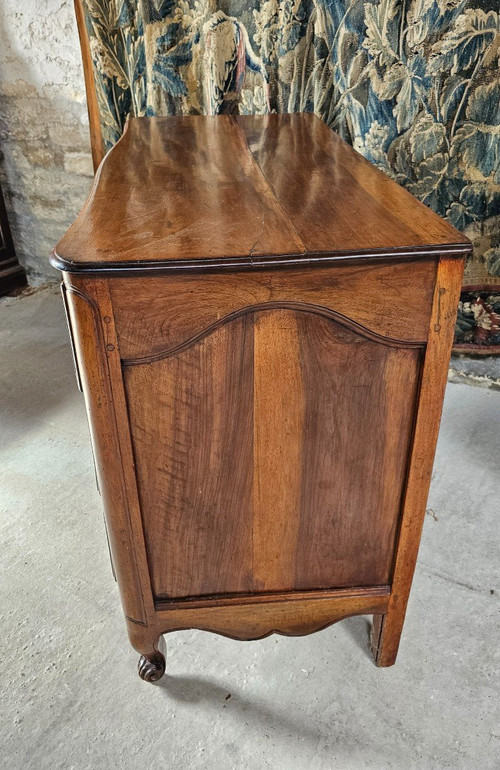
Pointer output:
271, 455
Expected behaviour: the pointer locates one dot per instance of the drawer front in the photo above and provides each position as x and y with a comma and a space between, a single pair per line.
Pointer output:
271, 425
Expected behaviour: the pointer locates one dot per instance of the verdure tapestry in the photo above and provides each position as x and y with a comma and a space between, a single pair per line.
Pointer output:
413, 85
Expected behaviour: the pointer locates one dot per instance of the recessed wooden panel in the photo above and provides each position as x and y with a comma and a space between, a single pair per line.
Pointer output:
191, 422
271, 455
157, 313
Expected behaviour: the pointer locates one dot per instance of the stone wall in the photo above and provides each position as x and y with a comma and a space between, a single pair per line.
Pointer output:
45, 162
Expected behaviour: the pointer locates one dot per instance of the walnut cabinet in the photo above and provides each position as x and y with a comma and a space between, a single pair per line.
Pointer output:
261, 323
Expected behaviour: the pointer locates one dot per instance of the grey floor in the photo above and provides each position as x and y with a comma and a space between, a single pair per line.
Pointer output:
70, 696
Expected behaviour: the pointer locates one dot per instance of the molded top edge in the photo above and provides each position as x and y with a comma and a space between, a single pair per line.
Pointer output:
226, 192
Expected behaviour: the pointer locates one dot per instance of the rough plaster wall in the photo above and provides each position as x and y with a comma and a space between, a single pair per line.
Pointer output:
45, 162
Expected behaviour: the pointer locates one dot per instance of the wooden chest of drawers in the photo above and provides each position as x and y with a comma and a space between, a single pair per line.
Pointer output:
262, 323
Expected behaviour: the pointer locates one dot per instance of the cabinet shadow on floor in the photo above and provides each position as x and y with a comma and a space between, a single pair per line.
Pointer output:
199, 690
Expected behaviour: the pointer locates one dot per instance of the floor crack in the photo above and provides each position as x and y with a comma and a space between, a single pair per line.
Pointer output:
450, 579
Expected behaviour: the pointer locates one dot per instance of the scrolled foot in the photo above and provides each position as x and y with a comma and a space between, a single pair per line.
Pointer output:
151, 666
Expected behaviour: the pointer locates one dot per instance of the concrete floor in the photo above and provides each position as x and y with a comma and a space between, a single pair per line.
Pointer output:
70, 696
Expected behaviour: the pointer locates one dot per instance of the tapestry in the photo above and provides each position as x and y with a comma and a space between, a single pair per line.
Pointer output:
478, 322
413, 85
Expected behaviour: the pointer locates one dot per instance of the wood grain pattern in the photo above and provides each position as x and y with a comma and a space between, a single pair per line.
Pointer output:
359, 418
303, 160
194, 463
209, 184
276, 485
268, 597
91, 336
278, 439
300, 307
190, 192
387, 630
393, 300
292, 616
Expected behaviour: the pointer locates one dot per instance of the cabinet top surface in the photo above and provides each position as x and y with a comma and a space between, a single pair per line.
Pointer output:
194, 192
